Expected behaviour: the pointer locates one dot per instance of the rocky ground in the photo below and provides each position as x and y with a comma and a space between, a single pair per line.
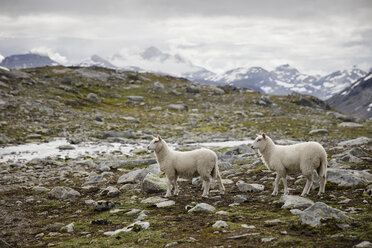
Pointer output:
114, 197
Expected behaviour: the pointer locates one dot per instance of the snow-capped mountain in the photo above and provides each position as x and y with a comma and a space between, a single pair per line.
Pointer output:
282, 80
154, 60
285, 79
356, 99
96, 60
29, 60
337, 81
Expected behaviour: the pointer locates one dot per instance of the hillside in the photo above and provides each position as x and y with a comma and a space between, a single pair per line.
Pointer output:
355, 100
73, 162
22, 61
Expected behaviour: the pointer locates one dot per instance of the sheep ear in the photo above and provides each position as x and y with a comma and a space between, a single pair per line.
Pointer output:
159, 138
264, 135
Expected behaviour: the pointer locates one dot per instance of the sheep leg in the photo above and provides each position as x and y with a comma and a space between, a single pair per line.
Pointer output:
206, 183
169, 188
220, 184
322, 182
175, 186
276, 185
284, 179
309, 183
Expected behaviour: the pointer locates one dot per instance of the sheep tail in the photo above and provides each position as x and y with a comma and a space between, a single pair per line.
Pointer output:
215, 173
322, 169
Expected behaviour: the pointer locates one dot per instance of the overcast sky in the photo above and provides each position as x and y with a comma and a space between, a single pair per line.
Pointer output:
313, 36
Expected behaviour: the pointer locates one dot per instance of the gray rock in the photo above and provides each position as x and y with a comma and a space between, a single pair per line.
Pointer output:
363, 244
240, 198
319, 131
111, 191
130, 119
165, 204
192, 89
178, 107
92, 98
66, 147
220, 224
272, 222
135, 99
69, 228
341, 116
153, 184
158, 87
350, 178
252, 187
202, 208
134, 211
93, 178
131, 177
63, 193
320, 211
265, 240
293, 201
355, 142
103, 205
350, 124
357, 152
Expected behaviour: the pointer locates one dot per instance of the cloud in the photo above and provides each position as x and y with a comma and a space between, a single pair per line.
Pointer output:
312, 35
49, 52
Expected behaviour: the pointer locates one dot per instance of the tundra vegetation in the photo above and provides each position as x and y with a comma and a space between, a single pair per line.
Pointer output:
114, 198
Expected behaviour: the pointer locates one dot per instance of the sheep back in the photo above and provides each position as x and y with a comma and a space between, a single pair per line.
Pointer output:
192, 163
304, 157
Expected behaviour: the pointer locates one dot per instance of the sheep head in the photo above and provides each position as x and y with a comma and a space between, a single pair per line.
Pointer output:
156, 144
259, 142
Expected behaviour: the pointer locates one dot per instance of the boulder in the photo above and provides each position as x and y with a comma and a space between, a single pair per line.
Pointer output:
355, 142
152, 183
350, 178
293, 201
250, 187
320, 211
202, 208
63, 193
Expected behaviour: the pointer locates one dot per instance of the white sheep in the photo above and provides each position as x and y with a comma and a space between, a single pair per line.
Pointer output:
303, 157
200, 162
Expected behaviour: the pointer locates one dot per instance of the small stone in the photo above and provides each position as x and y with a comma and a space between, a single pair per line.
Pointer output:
220, 224
319, 131
265, 240
253, 187
165, 204
222, 212
69, 228
66, 147
240, 198
363, 244
202, 208
248, 226
103, 205
92, 98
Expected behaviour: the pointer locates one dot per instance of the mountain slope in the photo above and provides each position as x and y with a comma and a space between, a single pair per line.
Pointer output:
96, 60
22, 61
356, 99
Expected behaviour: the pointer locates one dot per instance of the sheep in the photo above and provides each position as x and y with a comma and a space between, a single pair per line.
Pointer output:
303, 157
201, 162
